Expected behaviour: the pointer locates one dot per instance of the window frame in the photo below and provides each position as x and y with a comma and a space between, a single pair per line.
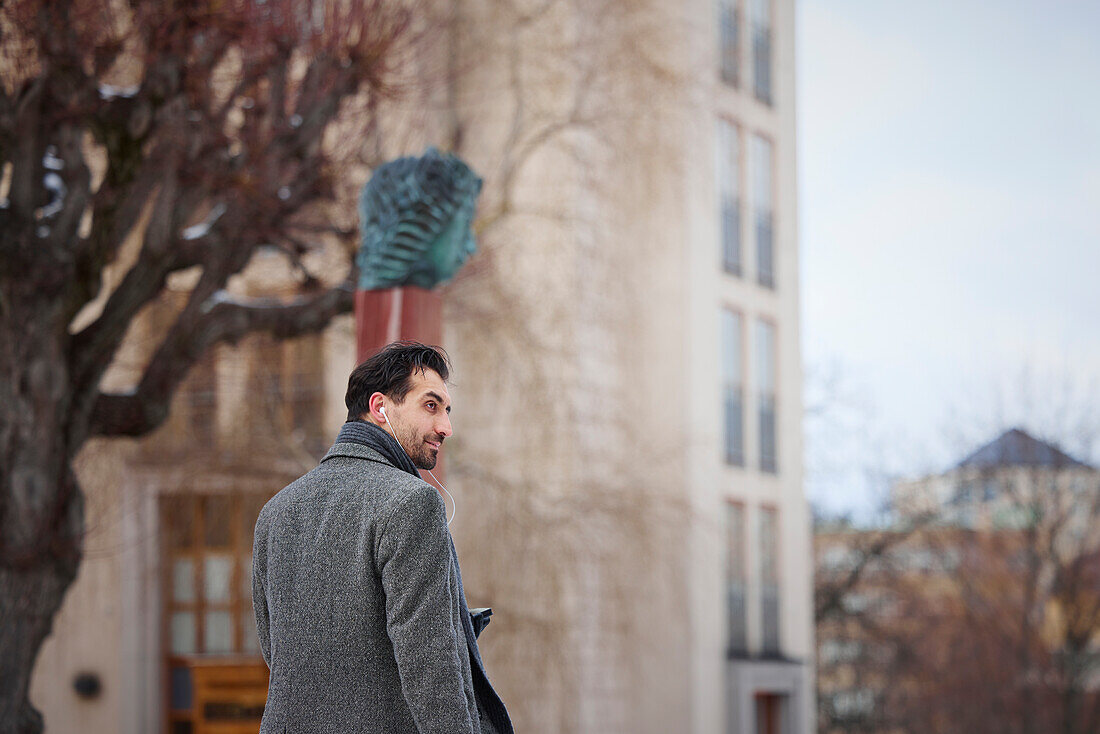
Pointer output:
776, 584
771, 280
743, 372
762, 320
733, 162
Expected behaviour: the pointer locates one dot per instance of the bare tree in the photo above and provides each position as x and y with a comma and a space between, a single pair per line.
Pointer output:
191, 134
986, 617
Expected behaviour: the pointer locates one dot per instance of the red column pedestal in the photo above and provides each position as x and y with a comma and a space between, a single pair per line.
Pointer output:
393, 314
385, 316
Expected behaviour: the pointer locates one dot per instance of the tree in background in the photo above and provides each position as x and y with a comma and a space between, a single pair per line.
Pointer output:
986, 617
149, 139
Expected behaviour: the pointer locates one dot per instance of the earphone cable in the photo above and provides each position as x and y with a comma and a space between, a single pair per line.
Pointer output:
454, 504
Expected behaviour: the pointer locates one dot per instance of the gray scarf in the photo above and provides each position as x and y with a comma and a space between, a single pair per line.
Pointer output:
379, 439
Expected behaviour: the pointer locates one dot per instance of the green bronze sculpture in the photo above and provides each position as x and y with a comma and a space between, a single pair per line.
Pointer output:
414, 221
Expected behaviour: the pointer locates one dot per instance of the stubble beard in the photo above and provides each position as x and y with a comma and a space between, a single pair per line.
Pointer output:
426, 458
423, 456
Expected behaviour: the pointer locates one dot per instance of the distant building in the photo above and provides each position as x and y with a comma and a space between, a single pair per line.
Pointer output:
993, 487
999, 554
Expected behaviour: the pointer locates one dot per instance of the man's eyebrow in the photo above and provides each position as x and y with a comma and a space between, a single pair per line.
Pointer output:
438, 398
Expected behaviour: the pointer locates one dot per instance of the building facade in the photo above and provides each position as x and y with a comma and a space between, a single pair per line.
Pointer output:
627, 457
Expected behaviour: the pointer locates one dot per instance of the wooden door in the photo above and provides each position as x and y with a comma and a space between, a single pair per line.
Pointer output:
206, 569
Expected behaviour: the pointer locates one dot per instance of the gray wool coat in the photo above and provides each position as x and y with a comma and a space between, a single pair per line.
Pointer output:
359, 605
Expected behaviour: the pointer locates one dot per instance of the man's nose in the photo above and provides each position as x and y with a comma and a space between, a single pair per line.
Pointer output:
443, 427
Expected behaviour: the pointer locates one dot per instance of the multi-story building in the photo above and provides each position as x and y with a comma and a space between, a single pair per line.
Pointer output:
627, 458
665, 398
759, 467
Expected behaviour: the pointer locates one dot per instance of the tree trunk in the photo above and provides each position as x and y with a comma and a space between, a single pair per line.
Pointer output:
41, 507
28, 601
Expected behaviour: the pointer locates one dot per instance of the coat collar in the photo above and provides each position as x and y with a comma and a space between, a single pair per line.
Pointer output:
355, 451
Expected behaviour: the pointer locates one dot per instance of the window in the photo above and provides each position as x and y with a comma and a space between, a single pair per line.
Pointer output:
733, 400
853, 703
765, 398
737, 637
729, 41
303, 384
760, 163
834, 651
769, 578
200, 390
760, 12
287, 390
729, 187
192, 420
207, 590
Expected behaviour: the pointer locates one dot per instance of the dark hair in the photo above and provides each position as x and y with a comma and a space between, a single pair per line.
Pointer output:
389, 371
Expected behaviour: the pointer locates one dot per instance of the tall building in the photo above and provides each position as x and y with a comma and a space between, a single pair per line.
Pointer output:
644, 374
753, 275
627, 457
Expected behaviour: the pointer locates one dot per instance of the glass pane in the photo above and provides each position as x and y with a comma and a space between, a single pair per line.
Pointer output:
765, 357
181, 689
769, 570
735, 437
735, 537
769, 596
765, 261
729, 49
250, 642
218, 631
183, 580
737, 630
217, 521
731, 348
768, 459
182, 633
762, 63
761, 171
731, 236
178, 518
217, 577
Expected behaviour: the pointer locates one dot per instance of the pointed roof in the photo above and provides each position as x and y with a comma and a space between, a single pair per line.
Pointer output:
1016, 447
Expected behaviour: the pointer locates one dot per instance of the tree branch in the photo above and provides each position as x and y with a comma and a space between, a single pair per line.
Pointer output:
224, 321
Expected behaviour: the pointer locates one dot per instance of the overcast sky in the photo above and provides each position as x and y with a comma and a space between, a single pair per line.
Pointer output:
949, 213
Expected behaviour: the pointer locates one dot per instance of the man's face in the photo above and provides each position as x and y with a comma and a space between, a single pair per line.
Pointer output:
422, 420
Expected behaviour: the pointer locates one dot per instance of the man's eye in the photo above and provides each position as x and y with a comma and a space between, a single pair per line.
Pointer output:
431, 406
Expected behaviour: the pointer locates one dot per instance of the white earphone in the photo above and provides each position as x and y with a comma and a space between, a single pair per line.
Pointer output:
382, 410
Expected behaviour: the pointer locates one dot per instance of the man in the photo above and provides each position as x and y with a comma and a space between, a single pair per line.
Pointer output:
359, 604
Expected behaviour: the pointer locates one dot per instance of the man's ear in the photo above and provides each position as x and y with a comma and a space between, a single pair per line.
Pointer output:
376, 404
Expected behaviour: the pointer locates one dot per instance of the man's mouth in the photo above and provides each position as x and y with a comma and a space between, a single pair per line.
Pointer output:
434, 444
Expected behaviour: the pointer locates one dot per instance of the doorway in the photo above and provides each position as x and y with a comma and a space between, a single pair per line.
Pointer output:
768, 713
